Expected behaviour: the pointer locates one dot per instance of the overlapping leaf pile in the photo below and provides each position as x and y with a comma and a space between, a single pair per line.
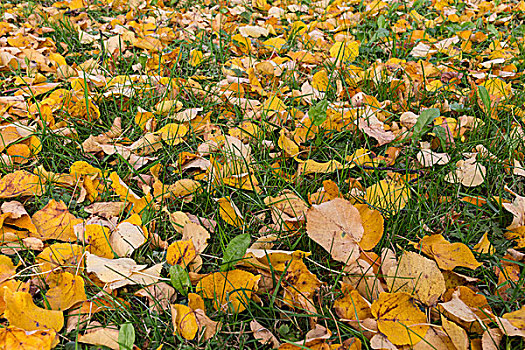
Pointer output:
121, 119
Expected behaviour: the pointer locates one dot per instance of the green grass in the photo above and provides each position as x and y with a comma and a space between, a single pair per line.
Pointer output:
456, 220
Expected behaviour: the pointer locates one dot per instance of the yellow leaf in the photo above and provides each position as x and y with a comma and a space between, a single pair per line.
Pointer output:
352, 306
517, 318
184, 321
229, 212
22, 312
448, 255
312, 167
7, 268
66, 290
337, 227
97, 236
81, 168
345, 51
457, 335
20, 183
230, 290
55, 222
287, 145
98, 335
196, 58
373, 225
484, 246
399, 319
299, 284
387, 195
173, 133
14, 338
126, 194
61, 257
275, 43
415, 274
181, 253
320, 80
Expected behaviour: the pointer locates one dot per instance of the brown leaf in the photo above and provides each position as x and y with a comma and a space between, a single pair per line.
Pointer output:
263, 335
337, 227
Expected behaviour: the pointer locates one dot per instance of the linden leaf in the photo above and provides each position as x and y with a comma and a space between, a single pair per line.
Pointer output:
417, 275
352, 306
20, 184
14, 338
61, 257
373, 226
345, 51
229, 212
235, 250
457, 335
229, 290
337, 227
7, 268
100, 336
66, 290
55, 222
388, 195
263, 335
126, 238
448, 255
287, 145
22, 312
97, 236
184, 321
399, 319
181, 253
468, 172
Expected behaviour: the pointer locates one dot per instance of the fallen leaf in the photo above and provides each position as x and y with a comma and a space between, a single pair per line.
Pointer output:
54, 221
417, 275
20, 184
468, 172
229, 212
181, 253
263, 335
65, 291
457, 335
22, 312
100, 336
399, 319
229, 290
448, 255
337, 227
18, 339
184, 321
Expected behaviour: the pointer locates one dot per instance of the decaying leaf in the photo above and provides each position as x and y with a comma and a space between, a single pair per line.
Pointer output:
22, 312
263, 335
399, 319
448, 255
229, 290
18, 339
417, 275
337, 227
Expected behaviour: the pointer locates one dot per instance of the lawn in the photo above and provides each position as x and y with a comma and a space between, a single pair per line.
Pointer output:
265, 174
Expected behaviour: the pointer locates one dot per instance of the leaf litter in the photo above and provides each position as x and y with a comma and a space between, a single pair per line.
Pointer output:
262, 157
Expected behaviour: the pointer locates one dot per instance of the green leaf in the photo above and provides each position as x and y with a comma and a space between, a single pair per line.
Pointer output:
126, 336
318, 112
485, 96
426, 117
235, 250
180, 279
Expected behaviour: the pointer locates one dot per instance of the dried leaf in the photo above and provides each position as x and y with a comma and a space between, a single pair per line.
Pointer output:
337, 227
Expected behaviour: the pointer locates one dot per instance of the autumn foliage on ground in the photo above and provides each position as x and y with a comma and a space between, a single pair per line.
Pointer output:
262, 174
